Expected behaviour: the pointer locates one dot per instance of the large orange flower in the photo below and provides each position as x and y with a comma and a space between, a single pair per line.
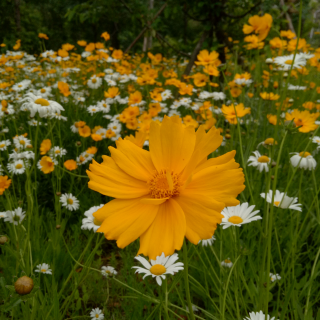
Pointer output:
167, 193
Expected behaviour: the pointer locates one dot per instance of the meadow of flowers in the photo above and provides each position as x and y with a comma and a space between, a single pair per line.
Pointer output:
131, 191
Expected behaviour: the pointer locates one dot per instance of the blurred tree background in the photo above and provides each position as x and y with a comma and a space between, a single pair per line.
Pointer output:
179, 27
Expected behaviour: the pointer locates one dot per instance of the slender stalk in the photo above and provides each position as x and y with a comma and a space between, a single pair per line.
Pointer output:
186, 280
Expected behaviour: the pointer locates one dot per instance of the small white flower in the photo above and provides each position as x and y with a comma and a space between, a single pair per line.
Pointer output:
259, 161
57, 152
16, 167
160, 267
282, 200
258, 316
207, 242
227, 263
4, 144
239, 215
69, 201
93, 109
194, 308
274, 277
108, 271
304, 159
43, 268
96, 314
16, 216
4, 214
94, 82
315, 139
21, 142
90, 222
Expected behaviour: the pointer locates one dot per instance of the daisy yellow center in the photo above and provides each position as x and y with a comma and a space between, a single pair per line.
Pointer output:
97, 222
158, 269
57, 151
70, 201
42, 102
227, 261
276, 203
107, 271
318, 141
93, 109
19, 166
43, 270
22, 142
235, 220
43, 90
2, 145
19, 85
164, 185
263, 159
94, 80
288, 62
304, 154
97, 316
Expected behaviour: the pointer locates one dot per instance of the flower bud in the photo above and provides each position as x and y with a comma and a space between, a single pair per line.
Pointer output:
58, 226
58, 193
228, 136
3, 240
78, 144
24, 285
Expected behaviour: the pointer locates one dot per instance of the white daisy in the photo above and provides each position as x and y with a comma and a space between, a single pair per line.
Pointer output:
44, 107
16, 216
69, 201
274, 277
159, 267
57, 152
282, 200
227, 263
16, 167
284, 62
304, 159
194, 308
4, 144
94, 82
207, 242
259, 161
93, 109
258, 316
104, 106
21, 142
315, 139
90, 222
43, 268
108, 271
239, 215
96, 314
3, 214
24, 84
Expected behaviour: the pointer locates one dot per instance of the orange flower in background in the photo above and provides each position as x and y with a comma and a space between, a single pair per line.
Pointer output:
17, 45
211, 70
92, 150
64, 88
112, 92
200, 79
43, 36
205, 58
259, 25
117, 54
70, 165
4, 183
105, 36
63, 53
67, 46
82, 43
45, 146
135, 98
90, 47
303, 119
185, 89
269, 96
165, 194
85, 131
47, 164
277, 43
254, 42
232, 112
96, 137
272, 119
302, 44
287, 34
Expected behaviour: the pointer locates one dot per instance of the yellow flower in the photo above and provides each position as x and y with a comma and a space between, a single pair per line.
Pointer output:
139, 138
43, 36
167, 193
45, 146
64, 88
47, 164
112, 92
269, 96
305, 119
254, 42
205, 58
85, 131
70, 165
105, 36
260, 25
200, 79
230, 112
4, 183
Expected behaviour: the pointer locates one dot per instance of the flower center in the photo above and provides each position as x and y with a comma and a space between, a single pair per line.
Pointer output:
299, 122
2, 145
304, 154
94, 80
276, 203
57, 151
158, 269
43, 90
22, 142
70, 201
227, 261
164, 184
288, 62
235, 220
19, 166
43, 270
16, 218
263, 159
97, 316
97, 222
42, 102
